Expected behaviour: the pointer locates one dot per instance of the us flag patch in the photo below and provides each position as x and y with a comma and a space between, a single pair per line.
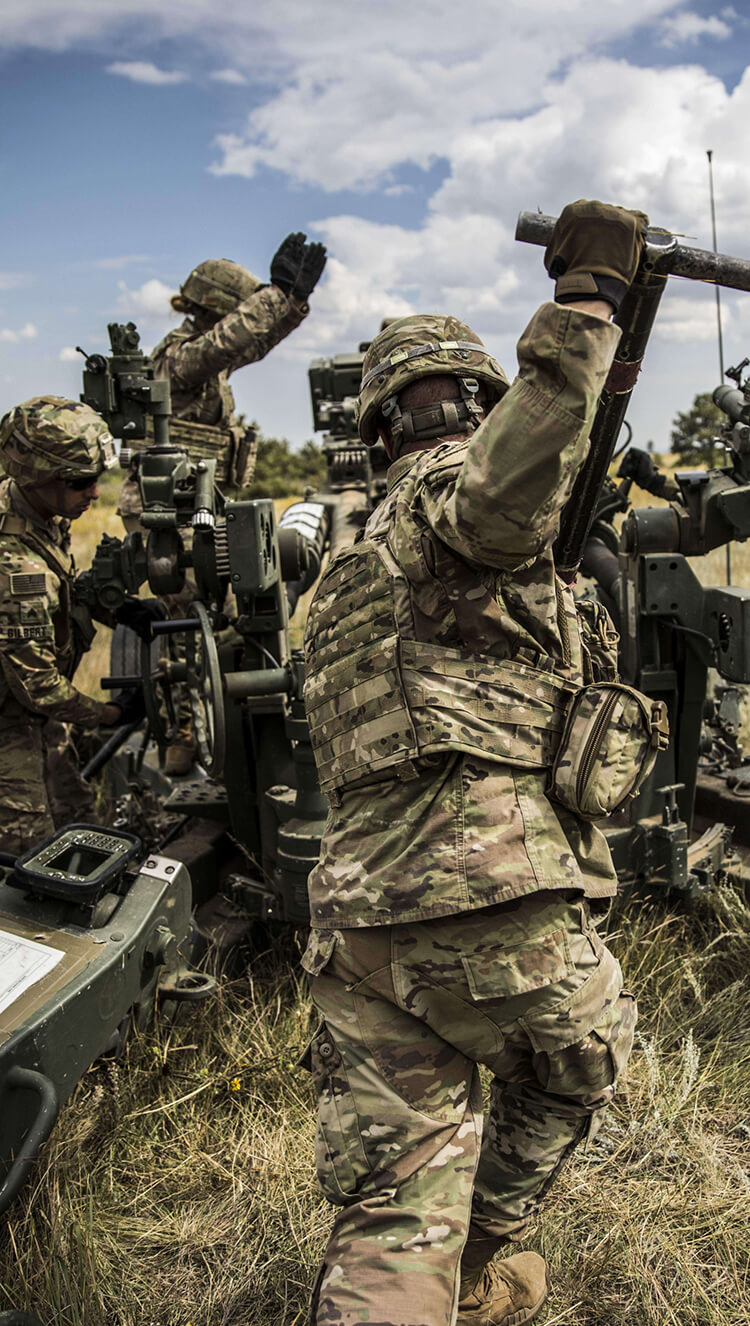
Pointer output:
27, 584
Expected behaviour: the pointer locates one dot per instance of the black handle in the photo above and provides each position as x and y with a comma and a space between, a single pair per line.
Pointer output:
120, 683
176, 627
49, 1105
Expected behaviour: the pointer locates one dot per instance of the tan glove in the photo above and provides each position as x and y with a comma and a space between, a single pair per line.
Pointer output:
594, 251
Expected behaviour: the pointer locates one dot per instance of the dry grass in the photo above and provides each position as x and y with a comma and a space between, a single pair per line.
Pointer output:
178, 1187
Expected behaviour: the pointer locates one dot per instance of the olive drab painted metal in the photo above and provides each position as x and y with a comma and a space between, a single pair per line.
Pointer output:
245, 693
122, 953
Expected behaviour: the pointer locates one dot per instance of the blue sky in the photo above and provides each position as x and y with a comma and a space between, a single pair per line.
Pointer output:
144, 135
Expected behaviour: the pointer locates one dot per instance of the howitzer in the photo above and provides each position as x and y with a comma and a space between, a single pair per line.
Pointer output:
673, 631
119, 924
243, 679
662, 257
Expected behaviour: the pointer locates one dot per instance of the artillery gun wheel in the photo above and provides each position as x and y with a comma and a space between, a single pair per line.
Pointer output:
205, 691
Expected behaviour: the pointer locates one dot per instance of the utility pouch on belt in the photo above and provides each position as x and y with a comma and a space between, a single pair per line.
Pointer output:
608, 747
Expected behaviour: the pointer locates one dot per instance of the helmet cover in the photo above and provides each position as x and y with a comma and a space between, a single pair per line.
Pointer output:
419, 346
219, 285
49, 437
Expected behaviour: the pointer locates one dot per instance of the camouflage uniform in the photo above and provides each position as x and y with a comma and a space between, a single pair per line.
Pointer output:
42, 637
198, 364
452, 903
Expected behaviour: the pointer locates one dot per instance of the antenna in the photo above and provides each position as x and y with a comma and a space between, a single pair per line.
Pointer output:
709, 154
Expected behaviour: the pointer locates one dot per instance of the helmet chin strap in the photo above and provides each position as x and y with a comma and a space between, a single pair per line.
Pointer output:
423, 423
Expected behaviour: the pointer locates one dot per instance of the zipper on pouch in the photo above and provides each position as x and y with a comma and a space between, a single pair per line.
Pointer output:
592, 745
602, 721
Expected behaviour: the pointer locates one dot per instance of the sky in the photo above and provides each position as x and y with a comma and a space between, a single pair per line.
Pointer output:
143, 136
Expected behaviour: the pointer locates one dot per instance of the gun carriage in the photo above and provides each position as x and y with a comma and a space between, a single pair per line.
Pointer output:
235, 660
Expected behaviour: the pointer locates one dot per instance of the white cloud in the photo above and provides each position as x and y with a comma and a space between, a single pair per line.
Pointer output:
12, 280
141, 71
647, 152
354, 106
150, 301
690, 315
69, 354
519, 105
26, 333
689, 27
648, 149
231, 76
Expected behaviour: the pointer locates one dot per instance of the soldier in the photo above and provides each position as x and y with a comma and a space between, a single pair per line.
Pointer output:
53, 452
454, 904
232, 319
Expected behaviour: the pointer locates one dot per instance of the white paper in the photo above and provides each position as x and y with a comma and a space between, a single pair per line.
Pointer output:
23, 962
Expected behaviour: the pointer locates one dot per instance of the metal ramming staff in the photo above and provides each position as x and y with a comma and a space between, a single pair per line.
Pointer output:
662, 257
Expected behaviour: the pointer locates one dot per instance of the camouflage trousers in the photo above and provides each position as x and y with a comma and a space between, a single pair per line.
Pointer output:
41, 788
526, 988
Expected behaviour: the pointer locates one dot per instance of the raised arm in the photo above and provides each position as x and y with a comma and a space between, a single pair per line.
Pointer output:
242, 337
502, 505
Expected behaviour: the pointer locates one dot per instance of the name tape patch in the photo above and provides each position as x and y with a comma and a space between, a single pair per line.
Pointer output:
25, 632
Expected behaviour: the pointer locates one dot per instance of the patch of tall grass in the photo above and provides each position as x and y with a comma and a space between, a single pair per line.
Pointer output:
178, 1185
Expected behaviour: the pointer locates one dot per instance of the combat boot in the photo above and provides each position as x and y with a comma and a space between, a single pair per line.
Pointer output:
505, 1293
180, 757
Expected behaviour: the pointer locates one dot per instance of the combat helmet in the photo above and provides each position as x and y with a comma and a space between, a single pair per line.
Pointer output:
218, 285
49, 437
424, 345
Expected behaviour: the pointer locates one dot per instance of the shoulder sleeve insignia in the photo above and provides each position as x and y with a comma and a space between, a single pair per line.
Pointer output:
27, 584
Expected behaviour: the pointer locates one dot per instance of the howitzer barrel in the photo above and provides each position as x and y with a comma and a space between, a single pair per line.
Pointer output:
695, 264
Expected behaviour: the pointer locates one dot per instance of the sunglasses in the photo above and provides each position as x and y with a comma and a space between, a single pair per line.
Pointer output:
85, 481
